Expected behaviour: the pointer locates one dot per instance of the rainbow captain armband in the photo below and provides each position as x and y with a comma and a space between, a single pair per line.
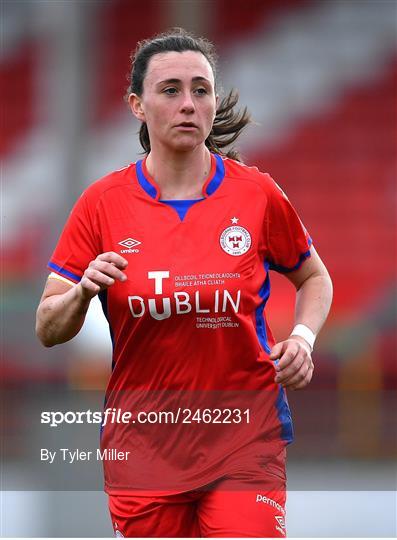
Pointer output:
304, 332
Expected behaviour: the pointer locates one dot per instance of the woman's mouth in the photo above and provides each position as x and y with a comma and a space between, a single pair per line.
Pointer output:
189, 126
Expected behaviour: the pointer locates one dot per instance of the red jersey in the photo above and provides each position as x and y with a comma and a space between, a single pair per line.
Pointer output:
188, 326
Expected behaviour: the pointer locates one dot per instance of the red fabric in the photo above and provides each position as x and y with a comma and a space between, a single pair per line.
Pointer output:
165, 357
231, 507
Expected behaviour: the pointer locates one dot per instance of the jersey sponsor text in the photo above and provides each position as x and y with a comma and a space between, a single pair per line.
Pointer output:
182, 302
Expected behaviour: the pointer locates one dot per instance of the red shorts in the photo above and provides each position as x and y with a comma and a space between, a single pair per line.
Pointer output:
221, 510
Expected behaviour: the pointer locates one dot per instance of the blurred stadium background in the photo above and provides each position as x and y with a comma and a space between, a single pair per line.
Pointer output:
320, 80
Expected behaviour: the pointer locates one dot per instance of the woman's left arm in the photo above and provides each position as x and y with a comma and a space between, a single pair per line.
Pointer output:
294, 365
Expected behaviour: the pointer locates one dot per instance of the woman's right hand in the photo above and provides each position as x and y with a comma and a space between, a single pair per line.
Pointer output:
102, 273
63, 306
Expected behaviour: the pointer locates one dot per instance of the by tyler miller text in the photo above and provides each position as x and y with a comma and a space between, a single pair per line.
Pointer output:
75, 455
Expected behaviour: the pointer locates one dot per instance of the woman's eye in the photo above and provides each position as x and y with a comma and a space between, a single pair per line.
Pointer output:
170, 91
201, 91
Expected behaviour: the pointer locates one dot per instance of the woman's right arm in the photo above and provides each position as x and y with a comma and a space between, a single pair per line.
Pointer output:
63, 307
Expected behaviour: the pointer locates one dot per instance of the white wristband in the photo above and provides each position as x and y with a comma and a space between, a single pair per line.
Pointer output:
303, 331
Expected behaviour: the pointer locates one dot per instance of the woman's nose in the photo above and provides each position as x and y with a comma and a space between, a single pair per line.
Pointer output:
187, 104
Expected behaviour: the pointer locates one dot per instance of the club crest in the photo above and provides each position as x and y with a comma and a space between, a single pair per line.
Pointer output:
235, 240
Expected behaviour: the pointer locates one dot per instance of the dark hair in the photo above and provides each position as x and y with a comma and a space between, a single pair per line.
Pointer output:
228, 122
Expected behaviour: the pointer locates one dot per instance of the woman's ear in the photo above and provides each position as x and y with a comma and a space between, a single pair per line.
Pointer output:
136, 106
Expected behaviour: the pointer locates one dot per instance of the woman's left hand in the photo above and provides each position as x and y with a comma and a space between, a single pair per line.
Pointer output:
294, 368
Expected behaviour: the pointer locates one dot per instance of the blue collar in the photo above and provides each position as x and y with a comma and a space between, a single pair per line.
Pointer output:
210, 186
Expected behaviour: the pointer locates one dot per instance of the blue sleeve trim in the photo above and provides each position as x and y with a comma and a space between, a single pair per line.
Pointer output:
64, 272
285, 269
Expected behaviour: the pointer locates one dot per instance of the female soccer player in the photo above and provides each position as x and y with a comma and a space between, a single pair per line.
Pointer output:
179, 246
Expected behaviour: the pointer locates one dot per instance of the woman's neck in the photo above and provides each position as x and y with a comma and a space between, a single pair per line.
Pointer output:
182, 175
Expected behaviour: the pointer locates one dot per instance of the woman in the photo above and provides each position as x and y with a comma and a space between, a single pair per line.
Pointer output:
178, 247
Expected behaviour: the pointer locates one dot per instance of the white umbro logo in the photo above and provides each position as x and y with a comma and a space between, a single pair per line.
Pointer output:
281, 524
117, 533
129, 244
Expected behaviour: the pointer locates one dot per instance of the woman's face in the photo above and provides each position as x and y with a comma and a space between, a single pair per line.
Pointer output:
178, 101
